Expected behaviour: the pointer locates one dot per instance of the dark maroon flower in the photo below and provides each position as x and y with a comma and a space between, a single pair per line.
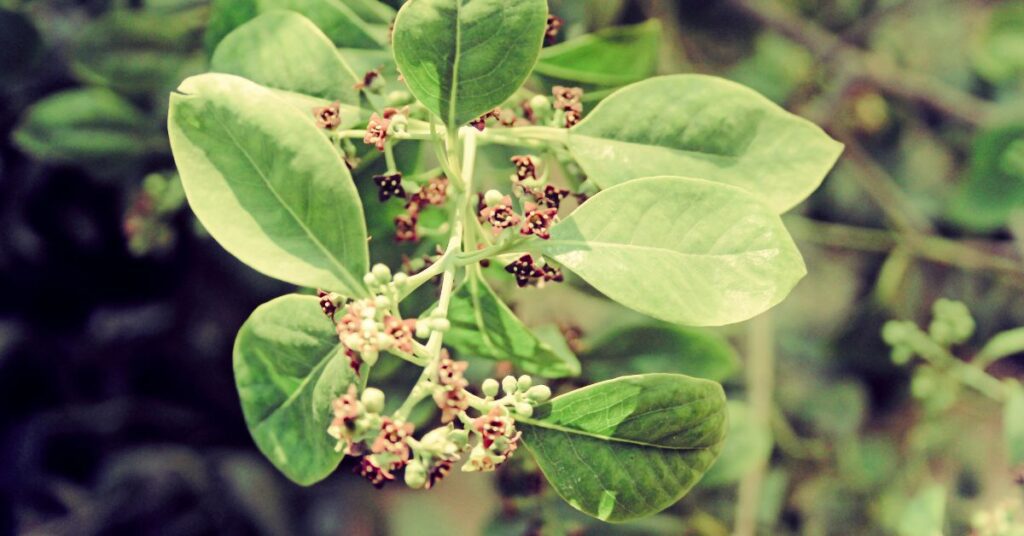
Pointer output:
370, 469
493, 425
437, 472
554, 26
329, 116
526, 167
327, 304
552, 274
551, 196
406, 227
537, 220
525, 270
369, 78
377, 131
569, 100
481, 122
435, 192
449, 371
389, 186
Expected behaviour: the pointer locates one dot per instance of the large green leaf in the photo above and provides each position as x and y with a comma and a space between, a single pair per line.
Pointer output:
267, 184
687, 251
628, 447
994, 186
612, 57
284, 50
462, 58
372, 11
288, 367
662, 348
483, 326
338, 21
1013, 424
702, 126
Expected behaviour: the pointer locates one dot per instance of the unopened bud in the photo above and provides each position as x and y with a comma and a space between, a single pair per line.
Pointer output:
509, 384
493, 197
415, 474
539, 393
524, 409
490, 387
373, 400
525, 381
382, 273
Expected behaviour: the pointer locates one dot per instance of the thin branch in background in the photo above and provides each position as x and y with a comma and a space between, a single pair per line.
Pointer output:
760, 382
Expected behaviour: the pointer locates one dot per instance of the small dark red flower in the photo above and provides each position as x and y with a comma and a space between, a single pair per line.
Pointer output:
551, 196
552, 274
435, 192
525, 270
452, 401
554, 26
526, 167
377, 131
391, 440
437, 472
569, 100
493, 425
370, 469
449, 371
327, 305
401, 331
329, 116
481, 122
389, 186
500, 216
406, 227
369, 78
537, 220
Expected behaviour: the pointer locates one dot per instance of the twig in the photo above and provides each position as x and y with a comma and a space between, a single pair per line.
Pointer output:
760, 380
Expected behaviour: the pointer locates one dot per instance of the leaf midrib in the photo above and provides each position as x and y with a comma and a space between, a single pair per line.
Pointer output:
530, 421
555, 242
453, 93
347, 278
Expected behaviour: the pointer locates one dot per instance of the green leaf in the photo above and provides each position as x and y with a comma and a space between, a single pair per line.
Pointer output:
483, 326
1002, 344
338, 21
662, 348
999, 54
776, 69
462, 58
925, 514
288, 367
372, 11
267, 184
701, 126
994, 186
686, 251
629, 447
612, 57
1013, 424
89, 127
284, 50
749, 443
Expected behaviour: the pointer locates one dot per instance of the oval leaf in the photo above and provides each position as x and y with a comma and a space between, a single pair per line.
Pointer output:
267, 184
662, 348
629, 447
462, 58
611, 57
342, 25
288, 367
483, 326
686, 251
284, 50
702, 126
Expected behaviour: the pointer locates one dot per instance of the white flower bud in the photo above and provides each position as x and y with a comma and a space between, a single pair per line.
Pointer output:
490, 387
382, 273
373, 400
539, 393
493, 197
525, 382
509, 384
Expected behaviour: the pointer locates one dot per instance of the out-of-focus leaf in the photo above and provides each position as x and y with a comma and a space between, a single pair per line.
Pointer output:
919, 38
643, 442
92, 127
1002, 344
747, 444
777, 67
994, 186
1013, 424
284, 50
925, 514
661, 348
612, 57
139, 52
999, 55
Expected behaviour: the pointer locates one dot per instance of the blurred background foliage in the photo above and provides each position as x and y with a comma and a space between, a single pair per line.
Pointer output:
118, 413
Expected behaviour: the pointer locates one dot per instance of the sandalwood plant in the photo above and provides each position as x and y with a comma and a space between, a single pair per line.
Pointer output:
664, 197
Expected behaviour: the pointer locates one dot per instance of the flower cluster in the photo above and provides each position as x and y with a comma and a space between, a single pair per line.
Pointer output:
450, 395
569, 101
527, 272
370, 325
433, 193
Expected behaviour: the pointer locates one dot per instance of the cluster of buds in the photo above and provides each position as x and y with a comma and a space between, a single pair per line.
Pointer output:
538, 214
356, 419
496, 430
450, 391
433, 193
383, 125
369, 326
569, 101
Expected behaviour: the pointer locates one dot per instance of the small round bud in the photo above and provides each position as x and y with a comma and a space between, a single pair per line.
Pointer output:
422, 329
398, 98
373, 400
370, 280
493, 197
415, 474
539, 393
524, 409
399, 123
370, 357
509, 384
459, 436
440, 324
381, 272
490, 387
381, 302
400, 278
368, 325
540, 102
525, 381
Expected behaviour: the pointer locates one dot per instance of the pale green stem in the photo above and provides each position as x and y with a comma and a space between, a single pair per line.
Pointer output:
760, 379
